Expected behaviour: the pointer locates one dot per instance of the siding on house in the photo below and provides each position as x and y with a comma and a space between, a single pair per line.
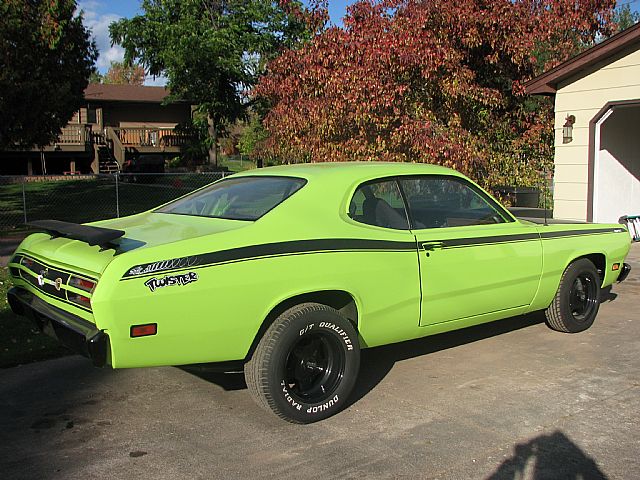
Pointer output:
145, 114
584, 95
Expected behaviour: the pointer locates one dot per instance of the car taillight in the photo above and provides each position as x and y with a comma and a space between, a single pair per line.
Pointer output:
82, 284
27, 262
79, 299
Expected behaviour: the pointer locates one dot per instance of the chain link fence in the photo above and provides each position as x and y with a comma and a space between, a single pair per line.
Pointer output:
87, 198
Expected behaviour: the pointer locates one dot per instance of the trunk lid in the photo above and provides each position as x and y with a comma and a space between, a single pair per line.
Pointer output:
144, 230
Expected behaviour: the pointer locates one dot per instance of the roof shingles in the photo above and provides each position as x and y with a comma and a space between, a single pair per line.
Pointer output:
125, 93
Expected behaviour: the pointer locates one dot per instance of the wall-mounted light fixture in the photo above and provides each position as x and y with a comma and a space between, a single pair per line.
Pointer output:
567, 129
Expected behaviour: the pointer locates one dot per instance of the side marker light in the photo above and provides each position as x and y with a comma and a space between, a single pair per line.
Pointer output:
144, 330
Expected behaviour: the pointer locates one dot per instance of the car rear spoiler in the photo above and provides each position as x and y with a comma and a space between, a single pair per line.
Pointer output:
103, 237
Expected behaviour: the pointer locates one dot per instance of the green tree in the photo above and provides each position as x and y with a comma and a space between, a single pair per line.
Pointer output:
207, 49
624, 17
95, 76
252, 137
46, 57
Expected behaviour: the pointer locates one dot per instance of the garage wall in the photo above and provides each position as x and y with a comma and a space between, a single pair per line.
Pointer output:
583, 96
617, 168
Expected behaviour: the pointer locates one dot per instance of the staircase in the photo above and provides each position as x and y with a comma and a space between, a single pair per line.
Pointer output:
106, 161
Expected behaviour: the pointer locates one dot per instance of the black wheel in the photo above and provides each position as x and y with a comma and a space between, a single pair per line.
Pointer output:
577, 300
305, 365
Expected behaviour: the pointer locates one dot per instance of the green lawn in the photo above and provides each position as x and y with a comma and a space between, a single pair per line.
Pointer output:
19, 342
92, 199
234, 164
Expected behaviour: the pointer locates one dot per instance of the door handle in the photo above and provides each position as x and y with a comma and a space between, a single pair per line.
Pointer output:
431, 246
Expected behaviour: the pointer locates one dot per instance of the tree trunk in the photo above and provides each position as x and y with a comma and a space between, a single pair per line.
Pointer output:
213, 150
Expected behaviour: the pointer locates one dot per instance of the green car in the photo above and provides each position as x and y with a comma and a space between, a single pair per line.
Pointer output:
289, 271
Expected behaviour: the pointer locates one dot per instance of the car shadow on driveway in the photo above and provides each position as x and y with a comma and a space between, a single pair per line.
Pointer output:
46, 409
548, 456
229, 381
377, 362
606, 295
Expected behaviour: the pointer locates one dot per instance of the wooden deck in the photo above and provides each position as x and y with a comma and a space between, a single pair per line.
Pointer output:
73, 138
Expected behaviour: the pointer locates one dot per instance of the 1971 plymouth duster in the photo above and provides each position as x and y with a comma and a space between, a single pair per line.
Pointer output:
289, 271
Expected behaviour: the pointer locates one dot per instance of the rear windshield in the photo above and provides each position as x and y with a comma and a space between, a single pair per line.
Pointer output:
243, 198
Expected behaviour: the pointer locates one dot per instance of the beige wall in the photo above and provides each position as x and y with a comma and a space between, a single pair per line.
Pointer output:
129, 114
81, 116
584, 96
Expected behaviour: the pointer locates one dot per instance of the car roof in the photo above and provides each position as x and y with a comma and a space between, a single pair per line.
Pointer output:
351, 170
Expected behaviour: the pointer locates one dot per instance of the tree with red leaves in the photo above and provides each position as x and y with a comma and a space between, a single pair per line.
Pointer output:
122, 74
437, 81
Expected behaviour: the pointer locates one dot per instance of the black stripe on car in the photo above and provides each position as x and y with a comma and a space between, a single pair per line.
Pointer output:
50, 275
573, 233
17, 259
59, 297
295, 247
467, 242
298, 247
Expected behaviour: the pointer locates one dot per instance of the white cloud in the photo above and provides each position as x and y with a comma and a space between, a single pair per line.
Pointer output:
98, 23
160, 81
92, 5
113, 54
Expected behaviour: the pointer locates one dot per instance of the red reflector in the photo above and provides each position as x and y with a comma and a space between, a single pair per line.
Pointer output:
144, 330
82, 283
80, 299
616, 266
86, 284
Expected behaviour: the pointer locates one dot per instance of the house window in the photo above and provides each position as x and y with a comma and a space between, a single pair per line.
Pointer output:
92, 115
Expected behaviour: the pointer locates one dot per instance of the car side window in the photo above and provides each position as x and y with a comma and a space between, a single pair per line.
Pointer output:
437, 202
379, 203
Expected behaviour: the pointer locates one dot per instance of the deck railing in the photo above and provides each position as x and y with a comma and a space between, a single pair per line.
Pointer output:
150, 137
75, 135
119, 152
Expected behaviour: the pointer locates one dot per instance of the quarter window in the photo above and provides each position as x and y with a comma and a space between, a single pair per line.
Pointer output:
239, 198
436, 202
379, 203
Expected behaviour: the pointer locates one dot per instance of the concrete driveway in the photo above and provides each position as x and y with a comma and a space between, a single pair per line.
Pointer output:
507, 400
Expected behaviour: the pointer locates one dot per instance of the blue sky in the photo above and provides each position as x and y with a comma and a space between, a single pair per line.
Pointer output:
98, 14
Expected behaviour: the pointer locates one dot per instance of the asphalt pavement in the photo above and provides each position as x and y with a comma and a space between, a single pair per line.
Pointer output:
507, 400
8, 245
